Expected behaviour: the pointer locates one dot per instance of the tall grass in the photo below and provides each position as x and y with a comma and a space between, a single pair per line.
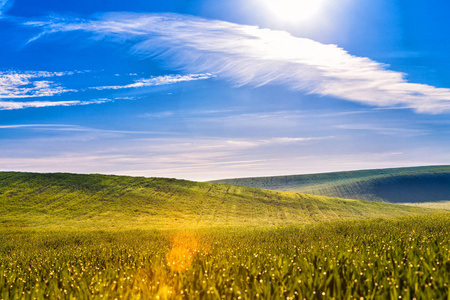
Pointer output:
403, 258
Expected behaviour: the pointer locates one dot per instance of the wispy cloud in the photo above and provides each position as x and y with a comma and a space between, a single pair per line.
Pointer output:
290, 140
175, 156
17, 126
384, 130
11, 105
214, 146
194, 159
155, 81
78, 128
30, 84
5, 5
248, 55
35, 84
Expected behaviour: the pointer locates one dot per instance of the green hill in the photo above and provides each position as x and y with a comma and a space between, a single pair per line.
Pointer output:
399, 185
103, 201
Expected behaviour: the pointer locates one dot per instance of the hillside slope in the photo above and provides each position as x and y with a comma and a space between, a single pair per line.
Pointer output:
418, 184
105, 201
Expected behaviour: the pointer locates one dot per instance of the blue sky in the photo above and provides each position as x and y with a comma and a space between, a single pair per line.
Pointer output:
215, 89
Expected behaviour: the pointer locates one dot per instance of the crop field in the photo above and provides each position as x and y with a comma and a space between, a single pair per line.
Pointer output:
396, 185
67, 201
435, 205
69, 236
399, 258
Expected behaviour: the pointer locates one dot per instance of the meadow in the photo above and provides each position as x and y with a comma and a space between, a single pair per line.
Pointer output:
436, 205
68, 236
72, 201
399, 258
395, 185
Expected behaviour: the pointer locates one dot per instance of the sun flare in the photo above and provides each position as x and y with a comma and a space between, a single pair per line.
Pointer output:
184, 247
294, 10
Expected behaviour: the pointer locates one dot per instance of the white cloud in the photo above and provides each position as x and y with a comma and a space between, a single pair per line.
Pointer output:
248, 55
35, 84
11, 105
5, 5
30, 84
221, 148
19, 126
245, 143
188, 163
77, 128
289, 140
155, 81
395, 131
179, 156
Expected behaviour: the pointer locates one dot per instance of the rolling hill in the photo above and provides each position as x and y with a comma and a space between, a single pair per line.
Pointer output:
59, 200
398, 185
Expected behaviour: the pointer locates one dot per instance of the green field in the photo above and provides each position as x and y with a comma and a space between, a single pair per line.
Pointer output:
105, 201
377, 259
436, 205
412, 185
67, 236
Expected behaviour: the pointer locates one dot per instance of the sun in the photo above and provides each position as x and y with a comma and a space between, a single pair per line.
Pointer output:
294, 10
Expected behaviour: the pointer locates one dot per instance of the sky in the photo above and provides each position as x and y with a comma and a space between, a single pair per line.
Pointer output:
211, 89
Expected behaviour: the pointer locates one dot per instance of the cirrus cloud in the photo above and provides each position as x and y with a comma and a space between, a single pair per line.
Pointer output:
30, 84
5, 5
156, 81
11, 105
249, 55
34, 84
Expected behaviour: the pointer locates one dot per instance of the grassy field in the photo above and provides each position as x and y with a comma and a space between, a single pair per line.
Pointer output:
418, 184
66, 236
435, 205
402, 258
101, 201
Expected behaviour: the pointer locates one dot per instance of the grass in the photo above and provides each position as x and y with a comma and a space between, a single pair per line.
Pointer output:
105, 201
67, 236
402, 258
398, 185
435, 205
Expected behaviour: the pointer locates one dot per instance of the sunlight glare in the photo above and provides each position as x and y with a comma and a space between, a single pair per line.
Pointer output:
184, 247
294, 10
